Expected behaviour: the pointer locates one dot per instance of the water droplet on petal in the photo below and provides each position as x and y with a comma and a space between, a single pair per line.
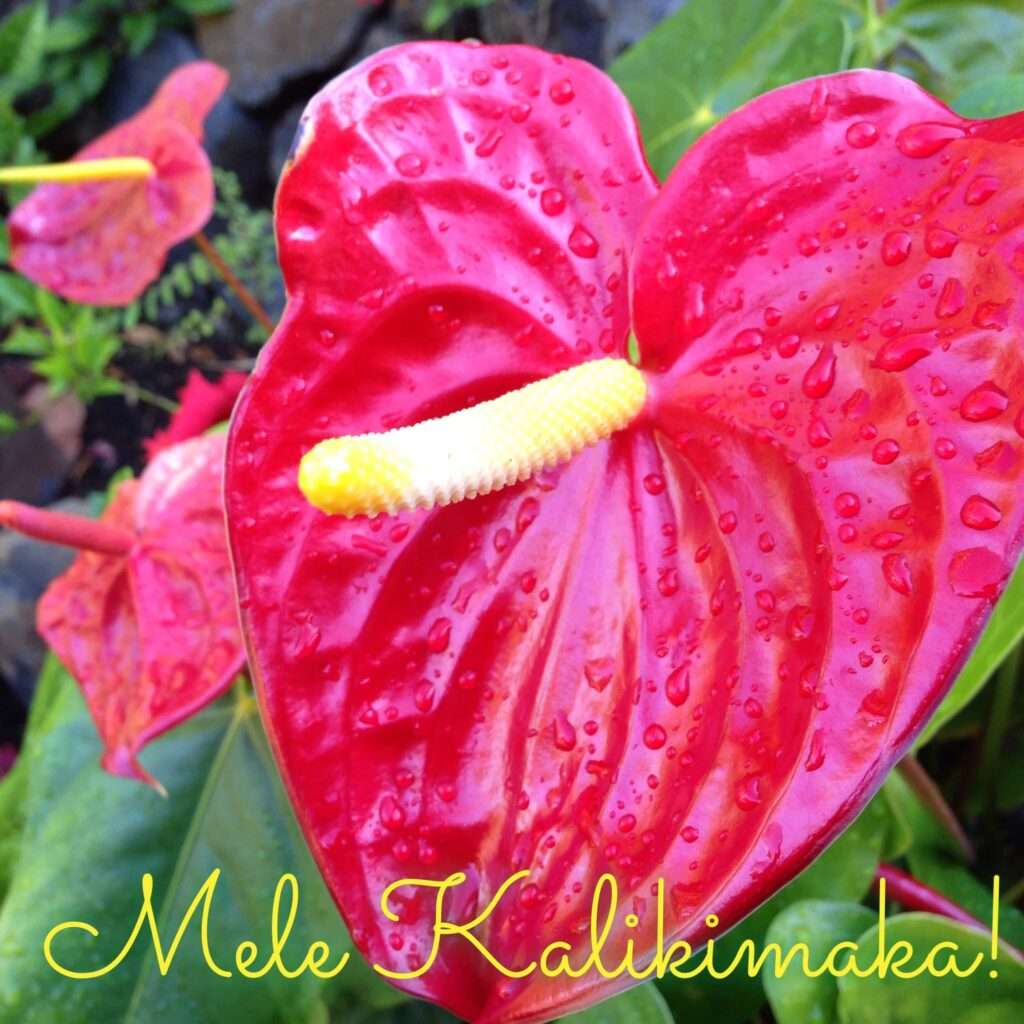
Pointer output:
599, 672
562, 91
862, 134
677, 686
977, 572
896, 570
439, 635
895, 248
952, 299
424, 696
552, 202
379, 80
940, 243
565, 733
821, 375
902, 352
489, 143
411, 165
847, 504
654, 483
926, 139
748, 793
690, 834
655, 737
886, 452
816, 752
985, 402
983, 188
980, 514
391, 814
583, 243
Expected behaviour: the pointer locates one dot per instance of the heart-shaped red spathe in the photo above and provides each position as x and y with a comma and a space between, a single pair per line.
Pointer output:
105, 242
151, 636
692, 652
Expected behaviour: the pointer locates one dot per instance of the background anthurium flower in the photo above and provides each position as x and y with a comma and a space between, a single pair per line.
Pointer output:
145, 617
103, 242
693, 651
201, 404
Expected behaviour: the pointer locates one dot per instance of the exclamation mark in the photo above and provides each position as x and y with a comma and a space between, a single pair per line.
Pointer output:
995, 925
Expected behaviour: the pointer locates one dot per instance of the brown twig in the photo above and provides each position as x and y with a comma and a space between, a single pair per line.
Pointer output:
246, 297
925, 789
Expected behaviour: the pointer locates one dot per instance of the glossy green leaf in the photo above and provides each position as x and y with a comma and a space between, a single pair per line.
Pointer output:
701, 63
87, 840
1005, 629
992, 97
963, 41
927, 999
795, 997
642, 1004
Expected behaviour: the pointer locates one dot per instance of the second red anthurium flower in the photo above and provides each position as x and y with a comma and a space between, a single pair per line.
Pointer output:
104, 241
740, 574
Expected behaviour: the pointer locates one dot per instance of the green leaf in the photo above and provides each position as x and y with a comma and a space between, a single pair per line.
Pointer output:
992, 97
88, 838
8, 425
1005, 629
139, 29
642, 1004
22, 46
964, 41
795, 997
441, 11
17, 297
71, 30
698, 65
202, 8
25, 341
927, 999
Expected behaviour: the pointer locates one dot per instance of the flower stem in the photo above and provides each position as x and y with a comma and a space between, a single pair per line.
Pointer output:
915, 895
70, 531
77, 172
924, 788
231, 279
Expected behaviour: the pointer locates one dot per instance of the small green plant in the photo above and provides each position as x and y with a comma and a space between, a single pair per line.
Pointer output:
70, 346
51, 67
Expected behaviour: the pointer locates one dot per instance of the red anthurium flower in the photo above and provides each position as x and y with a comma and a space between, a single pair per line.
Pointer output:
103, 242
145, 618
201, 405
692, 650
